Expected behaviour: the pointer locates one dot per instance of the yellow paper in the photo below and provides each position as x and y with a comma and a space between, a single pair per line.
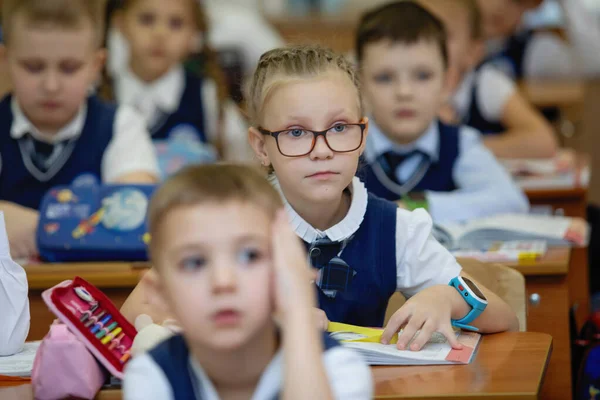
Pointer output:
372, 335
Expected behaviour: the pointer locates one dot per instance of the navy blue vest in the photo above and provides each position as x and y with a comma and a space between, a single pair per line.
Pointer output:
188, 117
475, 118
438, 178
371, 253
511, 60
172, 356
18, 185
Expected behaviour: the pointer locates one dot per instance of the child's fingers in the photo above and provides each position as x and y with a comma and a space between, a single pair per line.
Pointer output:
424, 335
450, 334
408, 333
394, 324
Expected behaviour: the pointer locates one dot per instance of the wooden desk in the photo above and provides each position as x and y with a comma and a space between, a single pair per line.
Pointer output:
547, 289
552, 93
507, 366
116, 280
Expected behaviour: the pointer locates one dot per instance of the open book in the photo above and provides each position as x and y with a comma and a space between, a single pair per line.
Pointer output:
481, 234
519, 250
20, 364
366, 341
552, 173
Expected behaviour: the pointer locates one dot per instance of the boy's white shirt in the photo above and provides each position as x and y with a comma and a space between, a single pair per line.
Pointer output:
165, 94
349, 378
548, 56
421, 261
130, 149
484, 187
14, 301
494, 89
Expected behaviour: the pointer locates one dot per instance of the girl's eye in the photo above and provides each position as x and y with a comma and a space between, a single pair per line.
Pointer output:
70, 67
338, 128
176, 23
296, 133
33, 67
249, 256
191, 264
383, 78
146, 19
424, 75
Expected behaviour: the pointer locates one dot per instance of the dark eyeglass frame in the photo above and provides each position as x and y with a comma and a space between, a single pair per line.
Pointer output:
316, 135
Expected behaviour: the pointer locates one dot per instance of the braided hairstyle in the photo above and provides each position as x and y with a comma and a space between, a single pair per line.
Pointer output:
282, 65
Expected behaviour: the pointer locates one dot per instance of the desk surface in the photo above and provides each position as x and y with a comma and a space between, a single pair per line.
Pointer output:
101, 274
508, 365
549, 93
555, 262
117, 275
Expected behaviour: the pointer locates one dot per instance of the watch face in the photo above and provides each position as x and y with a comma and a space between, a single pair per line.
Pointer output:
474, 288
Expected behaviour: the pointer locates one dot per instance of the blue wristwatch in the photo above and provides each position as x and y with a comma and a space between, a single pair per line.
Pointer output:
473, 296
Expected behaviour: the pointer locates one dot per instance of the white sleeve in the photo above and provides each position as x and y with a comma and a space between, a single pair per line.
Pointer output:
130, 149
349, 376
144, 380
235, 129
494, 89
484, 186
14, 302
421, 260
583, 31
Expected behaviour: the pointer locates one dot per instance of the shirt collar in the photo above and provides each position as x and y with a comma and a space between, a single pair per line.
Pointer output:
268, 386
164, 93
22, 126
378, 143
343, 229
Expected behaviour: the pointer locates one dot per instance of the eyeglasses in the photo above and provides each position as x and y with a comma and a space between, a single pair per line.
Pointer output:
298, 142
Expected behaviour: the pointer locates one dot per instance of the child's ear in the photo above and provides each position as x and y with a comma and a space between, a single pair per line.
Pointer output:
100, 60
258, 144
364, 120
117, 21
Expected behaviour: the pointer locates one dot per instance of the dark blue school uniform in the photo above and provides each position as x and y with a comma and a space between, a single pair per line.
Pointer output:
23, 182
188, 118
172, 356
355, 286
511, 59
475, 118
380, 179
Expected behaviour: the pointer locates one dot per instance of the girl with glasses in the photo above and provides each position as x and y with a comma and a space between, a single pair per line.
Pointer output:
309, 128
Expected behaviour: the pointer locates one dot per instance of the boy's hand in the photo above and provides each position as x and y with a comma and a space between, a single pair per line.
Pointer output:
293, 275
21, 233
428, 311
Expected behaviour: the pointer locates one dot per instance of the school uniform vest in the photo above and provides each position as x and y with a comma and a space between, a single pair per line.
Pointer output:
80, 156
475, 118
364, 275
438, 177
511, 59
188, 118
173, 357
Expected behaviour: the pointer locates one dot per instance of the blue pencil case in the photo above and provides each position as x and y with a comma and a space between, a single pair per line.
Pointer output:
94, 223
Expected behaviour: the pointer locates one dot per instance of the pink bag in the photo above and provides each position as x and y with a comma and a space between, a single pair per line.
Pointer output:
63, 367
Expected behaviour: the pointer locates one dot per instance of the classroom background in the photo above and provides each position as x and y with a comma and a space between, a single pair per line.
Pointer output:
555, 293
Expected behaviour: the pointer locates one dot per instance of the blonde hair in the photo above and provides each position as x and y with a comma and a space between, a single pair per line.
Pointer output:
62, 13
284, 64
210, 183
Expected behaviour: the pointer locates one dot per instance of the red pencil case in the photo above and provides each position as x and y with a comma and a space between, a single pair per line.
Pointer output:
94, 319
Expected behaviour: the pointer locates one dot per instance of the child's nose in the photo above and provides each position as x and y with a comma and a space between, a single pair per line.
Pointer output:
224, 278
51, 82
321, 149
404, 88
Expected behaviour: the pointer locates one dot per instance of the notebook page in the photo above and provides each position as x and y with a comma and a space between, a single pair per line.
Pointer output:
21, 363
